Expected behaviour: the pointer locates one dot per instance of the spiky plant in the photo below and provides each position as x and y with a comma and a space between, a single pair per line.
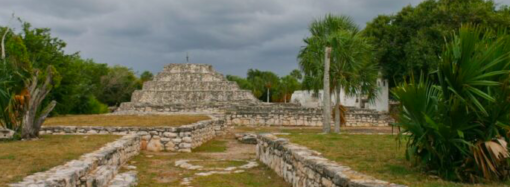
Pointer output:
458, 118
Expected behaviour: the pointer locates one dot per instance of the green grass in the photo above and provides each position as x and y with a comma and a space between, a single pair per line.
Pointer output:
22, 158
158, 170
213, 146
377, 155
261, 176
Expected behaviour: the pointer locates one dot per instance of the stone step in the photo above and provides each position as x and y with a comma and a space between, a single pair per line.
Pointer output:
158, 97
196, 77
190, 86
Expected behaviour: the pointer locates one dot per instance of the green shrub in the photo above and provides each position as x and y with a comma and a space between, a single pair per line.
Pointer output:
458, 118
94, 106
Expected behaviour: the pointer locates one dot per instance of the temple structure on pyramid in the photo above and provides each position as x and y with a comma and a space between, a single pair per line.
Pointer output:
187, 88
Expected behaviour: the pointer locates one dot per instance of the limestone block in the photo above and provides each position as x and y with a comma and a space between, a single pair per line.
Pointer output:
177, 140
185, 145
187, 139
169, 146
155, 145
169, 134
6, 133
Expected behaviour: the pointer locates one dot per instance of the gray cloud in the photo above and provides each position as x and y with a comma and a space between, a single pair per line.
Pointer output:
232, 35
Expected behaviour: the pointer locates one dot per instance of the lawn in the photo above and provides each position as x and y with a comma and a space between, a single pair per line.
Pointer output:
377, 155
124, 120
22, 158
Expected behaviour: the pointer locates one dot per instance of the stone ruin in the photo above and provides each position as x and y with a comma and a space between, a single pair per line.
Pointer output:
187, 88
199, 89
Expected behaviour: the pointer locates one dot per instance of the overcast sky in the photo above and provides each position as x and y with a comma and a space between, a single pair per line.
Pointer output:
232, 35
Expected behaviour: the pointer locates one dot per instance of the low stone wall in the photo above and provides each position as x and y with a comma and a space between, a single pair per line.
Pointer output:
94, 169
274, 114
181, 139
262, 114
356, 117
302, 167
292, 115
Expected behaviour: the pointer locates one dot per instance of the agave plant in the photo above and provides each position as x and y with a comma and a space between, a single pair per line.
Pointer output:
458, 117
13, 95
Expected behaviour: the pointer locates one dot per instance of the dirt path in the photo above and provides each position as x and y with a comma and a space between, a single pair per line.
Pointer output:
221, 162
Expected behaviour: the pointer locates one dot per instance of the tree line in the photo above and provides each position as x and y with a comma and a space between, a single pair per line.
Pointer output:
269, 87
79, 86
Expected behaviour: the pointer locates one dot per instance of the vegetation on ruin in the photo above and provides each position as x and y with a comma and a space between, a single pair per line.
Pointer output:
458, 118
22, 158
411, 40
125, 120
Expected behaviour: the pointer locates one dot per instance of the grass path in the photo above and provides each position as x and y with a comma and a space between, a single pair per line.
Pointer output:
159, 169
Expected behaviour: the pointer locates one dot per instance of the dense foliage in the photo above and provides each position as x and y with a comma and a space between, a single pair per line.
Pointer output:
459, 123
267, 86
81, 86
411, 40
12, 91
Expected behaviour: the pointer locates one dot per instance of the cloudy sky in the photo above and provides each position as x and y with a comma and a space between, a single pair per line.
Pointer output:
232, 35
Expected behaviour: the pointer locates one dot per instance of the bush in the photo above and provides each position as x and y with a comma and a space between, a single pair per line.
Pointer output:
96, 107
458, 118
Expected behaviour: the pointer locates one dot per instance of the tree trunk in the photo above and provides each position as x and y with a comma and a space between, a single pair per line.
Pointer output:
31, 121
267, 96
285, 96
326, 108
337, 109
3, 43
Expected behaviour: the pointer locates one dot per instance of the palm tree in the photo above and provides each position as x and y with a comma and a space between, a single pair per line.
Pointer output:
351, 54
263, 80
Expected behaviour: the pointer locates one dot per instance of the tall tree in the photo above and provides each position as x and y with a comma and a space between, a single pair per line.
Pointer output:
146, 76
20, 103
410, 41
263, 81
288, 84
118, 85
350, 54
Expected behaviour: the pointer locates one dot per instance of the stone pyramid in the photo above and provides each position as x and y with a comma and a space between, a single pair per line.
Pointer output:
187, 88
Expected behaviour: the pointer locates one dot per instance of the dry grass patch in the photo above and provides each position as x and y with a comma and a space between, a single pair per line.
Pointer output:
124, 120
22, 158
